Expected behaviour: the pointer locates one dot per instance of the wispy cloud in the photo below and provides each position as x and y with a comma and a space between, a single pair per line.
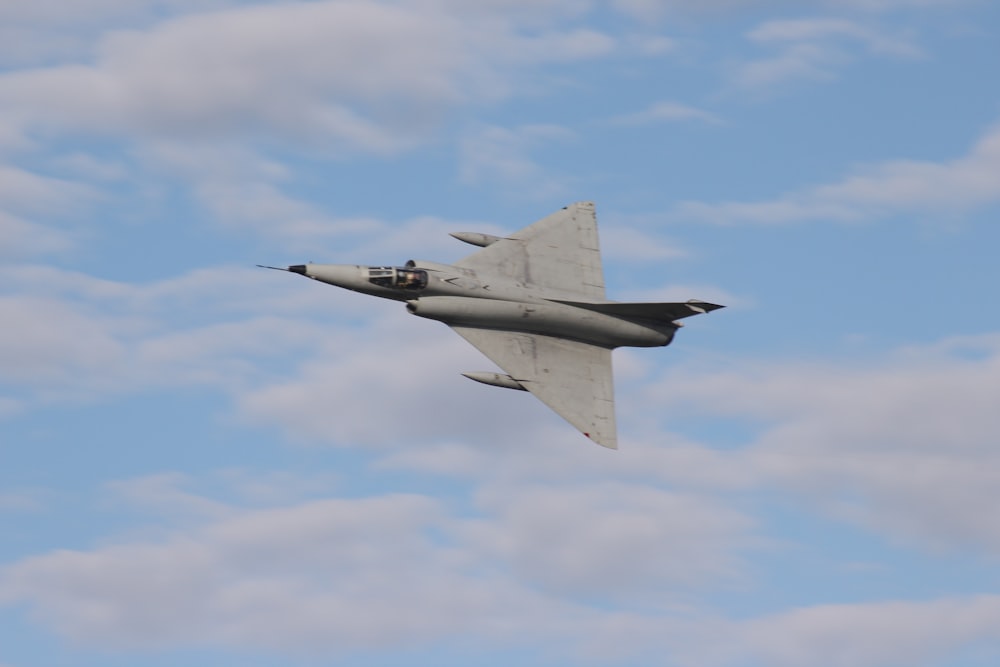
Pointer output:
654, 10
288, 71
502, 156
81, 338
815, 49
402, 571
438, 518
666, 111
408, 569
20, 238
863, 635
917, 462
898, 186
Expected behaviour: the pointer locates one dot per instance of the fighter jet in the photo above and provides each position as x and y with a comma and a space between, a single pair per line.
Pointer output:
533, 302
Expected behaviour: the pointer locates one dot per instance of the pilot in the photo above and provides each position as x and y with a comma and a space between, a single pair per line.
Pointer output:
409, 279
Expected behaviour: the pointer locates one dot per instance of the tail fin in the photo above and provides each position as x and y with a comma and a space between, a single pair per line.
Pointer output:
656, 312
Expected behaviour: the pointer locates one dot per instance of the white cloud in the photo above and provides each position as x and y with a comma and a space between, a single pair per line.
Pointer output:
340, 574
501, 156
163, 493
797, 61
564, 544
243, 190
666, 111
651, 45
289, 71
868, 635
277, 487
903, 448
255, 580
81, 338
653, 10
613, 540
30, 204
880, 190
400, 571
815, 49
89, 168
56, 12
878, 634
53, 343
918, 461
201, 97
805, 30
20, 238
889, 5
285, 68
23, 191
209, 293
38, 32
262, 337
631, 245
46, 32
550, 453
328, 577
401, 366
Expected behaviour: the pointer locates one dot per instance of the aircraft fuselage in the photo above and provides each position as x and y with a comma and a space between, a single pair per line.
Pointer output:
461, 297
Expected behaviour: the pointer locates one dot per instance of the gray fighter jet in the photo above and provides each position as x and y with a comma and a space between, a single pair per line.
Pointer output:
533, 302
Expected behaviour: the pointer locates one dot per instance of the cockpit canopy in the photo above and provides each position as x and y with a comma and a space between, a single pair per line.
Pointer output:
397, 278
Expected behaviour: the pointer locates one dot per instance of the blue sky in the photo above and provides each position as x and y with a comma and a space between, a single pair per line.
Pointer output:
204, 462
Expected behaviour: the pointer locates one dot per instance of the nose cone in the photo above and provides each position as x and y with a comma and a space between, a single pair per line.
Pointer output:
342, 275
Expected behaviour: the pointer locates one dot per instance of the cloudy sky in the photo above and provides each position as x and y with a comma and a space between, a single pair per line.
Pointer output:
202, 462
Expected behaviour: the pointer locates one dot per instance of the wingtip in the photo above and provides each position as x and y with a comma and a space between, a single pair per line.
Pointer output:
608, 444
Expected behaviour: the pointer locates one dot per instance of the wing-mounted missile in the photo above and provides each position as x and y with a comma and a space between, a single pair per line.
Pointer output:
496, 379
475, 238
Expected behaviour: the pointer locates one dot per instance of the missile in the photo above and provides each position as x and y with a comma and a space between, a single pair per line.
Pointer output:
475, 238
496, 379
